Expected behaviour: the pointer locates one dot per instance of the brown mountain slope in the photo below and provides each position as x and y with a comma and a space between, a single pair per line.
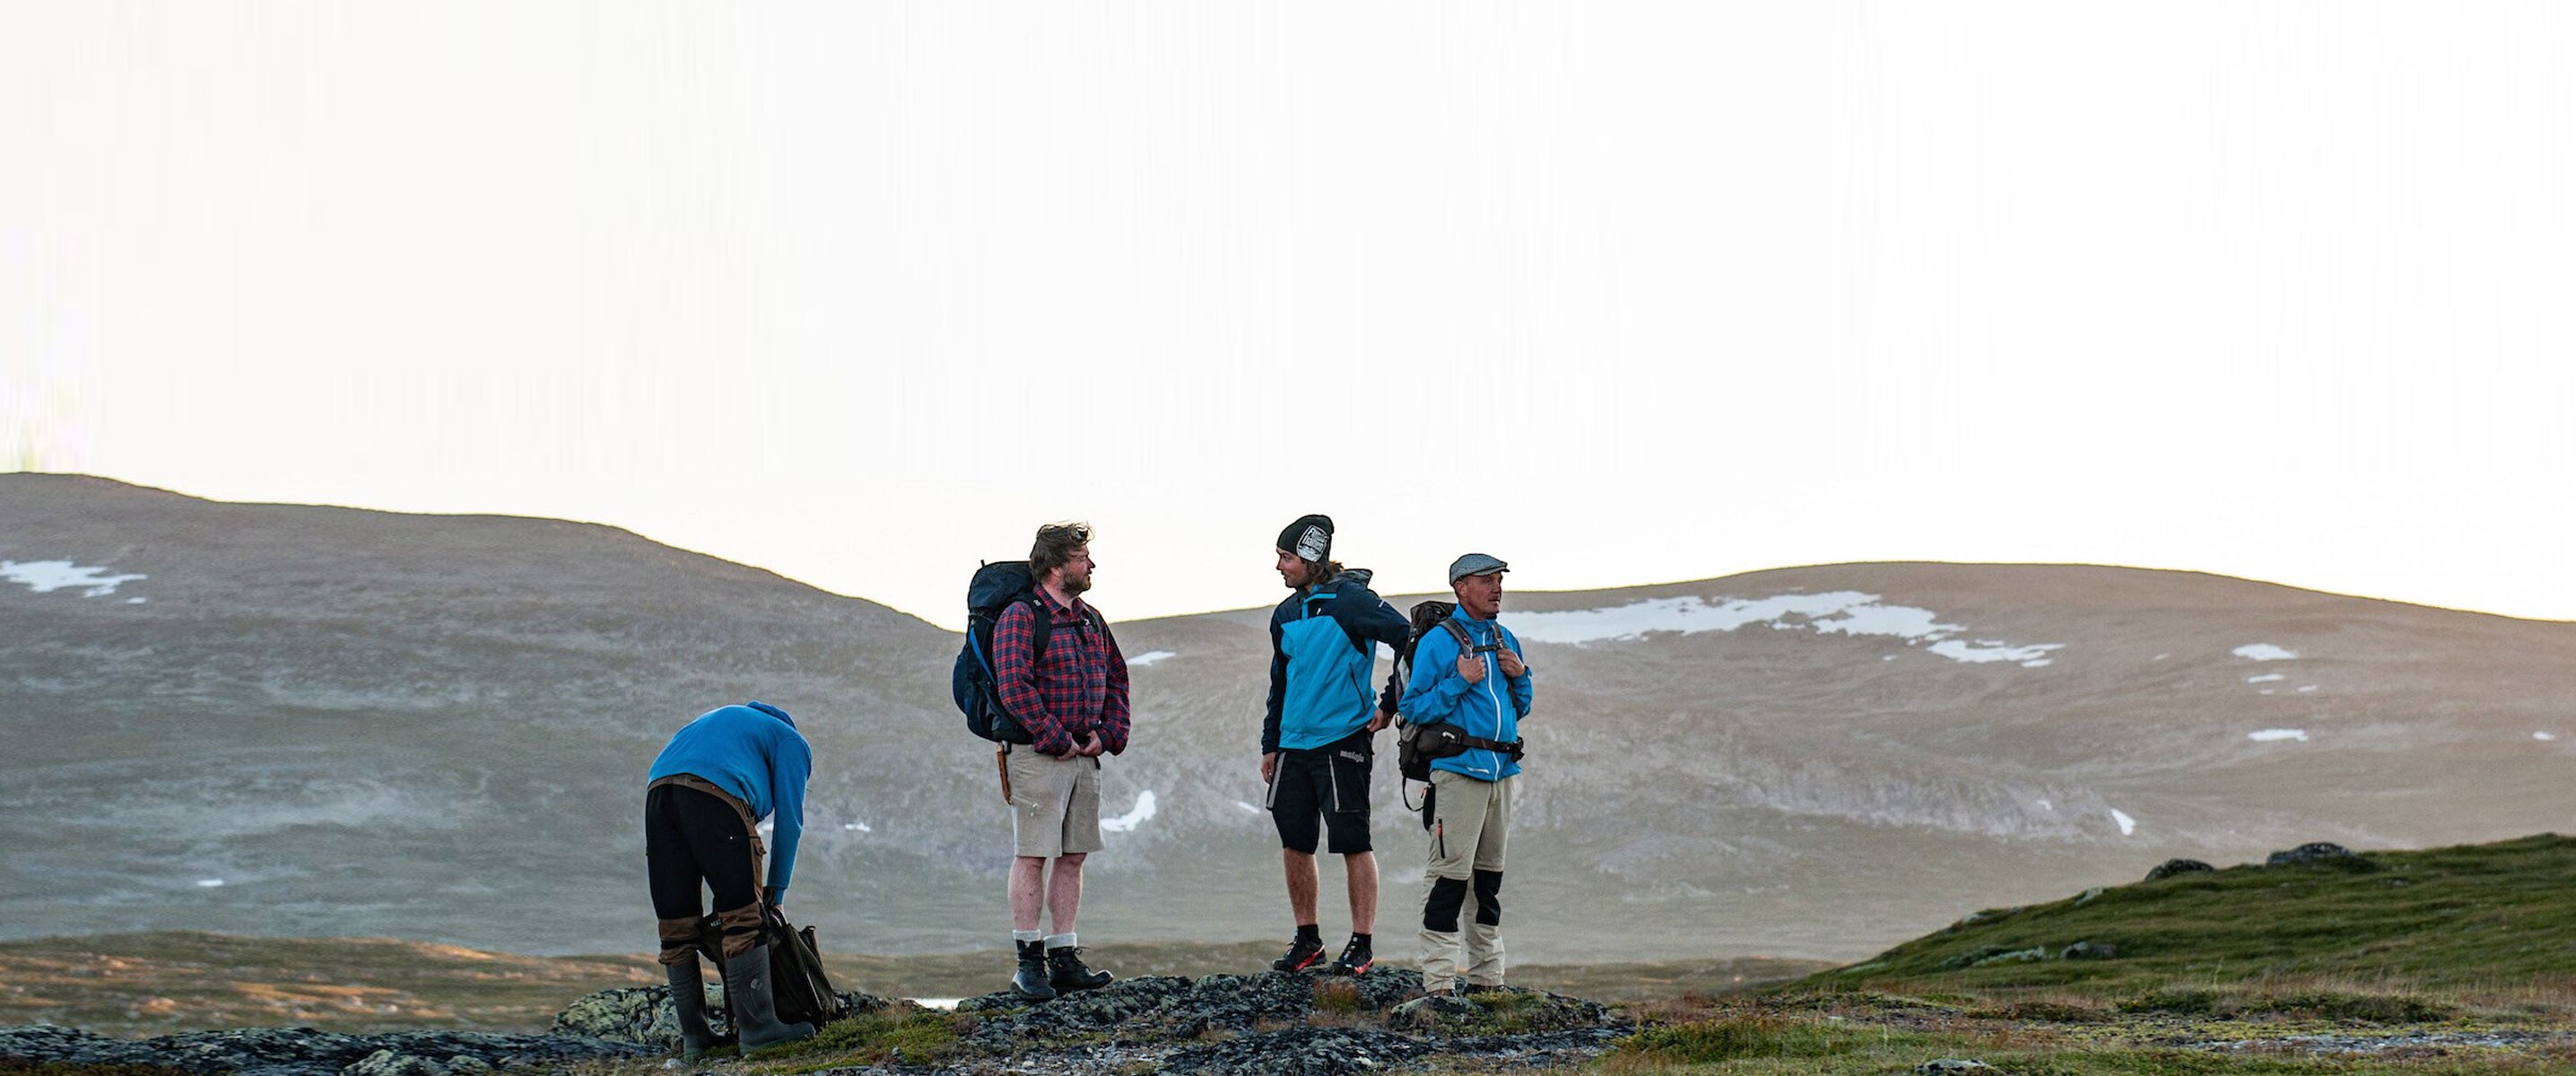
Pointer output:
367, 723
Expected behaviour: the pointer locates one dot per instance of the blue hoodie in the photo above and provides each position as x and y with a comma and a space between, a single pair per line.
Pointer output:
1323, 655
1437, 693
755, 753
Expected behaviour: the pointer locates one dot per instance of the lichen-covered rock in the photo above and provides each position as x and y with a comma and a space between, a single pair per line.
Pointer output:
1385, 988
2312, 852
1995, 954
1514, 1009
307, 1052
1298, 1051
643, 1014
2088, 950
1950, 1066
1432, 1012
1153, 1007
2172, 867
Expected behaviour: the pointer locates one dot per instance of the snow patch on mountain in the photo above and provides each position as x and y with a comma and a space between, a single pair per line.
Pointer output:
1149, 657
2264, 652
2128, 825
1838, 612
2266, 678
47, 576
1127, 823
2272, 735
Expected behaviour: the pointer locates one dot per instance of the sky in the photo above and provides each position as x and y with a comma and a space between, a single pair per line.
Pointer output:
1623, 293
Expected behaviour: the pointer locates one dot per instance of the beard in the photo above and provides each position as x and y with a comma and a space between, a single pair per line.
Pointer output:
1074, 587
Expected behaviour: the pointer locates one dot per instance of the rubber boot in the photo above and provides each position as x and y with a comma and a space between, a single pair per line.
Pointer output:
1031, 982
689, 1006
755, 1011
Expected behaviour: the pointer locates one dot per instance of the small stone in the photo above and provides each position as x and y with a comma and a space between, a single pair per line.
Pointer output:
2088, 896
1939, 1066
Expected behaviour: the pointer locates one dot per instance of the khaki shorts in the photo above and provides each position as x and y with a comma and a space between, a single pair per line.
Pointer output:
1055, 803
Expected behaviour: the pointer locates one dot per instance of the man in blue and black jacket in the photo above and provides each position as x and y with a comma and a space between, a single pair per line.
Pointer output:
703, 802
1481, 686
1317, 732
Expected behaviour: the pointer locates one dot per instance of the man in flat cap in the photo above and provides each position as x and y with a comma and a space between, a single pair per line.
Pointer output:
1317, 733
1473, 679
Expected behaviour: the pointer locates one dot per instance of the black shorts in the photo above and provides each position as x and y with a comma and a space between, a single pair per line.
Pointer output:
1330, 783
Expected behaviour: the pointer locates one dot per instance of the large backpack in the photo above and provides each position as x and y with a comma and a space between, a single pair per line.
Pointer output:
1418, 743
972, 680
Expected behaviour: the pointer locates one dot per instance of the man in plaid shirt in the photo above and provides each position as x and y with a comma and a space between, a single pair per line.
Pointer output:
1074, 702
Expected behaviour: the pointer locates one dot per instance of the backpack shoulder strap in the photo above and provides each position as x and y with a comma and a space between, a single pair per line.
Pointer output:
1039, 631
1466, 642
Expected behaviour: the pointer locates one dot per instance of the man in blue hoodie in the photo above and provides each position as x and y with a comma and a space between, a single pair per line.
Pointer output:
703, 800
1317, 732
1483, 688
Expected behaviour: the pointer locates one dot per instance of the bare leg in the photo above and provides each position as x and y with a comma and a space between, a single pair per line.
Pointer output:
1301, 884
1028, 891
1359, 873
1064, 893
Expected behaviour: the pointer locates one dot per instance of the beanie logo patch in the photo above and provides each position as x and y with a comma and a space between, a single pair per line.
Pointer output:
1312, 544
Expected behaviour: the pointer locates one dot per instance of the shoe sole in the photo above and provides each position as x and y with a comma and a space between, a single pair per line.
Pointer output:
1282, 965
1360, 970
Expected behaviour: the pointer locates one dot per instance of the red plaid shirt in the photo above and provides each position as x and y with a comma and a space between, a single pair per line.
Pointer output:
1081, 687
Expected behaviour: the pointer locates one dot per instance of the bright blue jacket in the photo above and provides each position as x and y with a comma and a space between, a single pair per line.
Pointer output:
1490, 709
755, 753
1323, 656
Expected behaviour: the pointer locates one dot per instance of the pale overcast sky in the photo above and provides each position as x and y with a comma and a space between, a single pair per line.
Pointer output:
1623, 293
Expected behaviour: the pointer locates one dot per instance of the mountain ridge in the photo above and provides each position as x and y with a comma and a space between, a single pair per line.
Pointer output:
375, 723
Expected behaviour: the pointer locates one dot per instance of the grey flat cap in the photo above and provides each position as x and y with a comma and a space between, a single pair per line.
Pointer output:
1475, 564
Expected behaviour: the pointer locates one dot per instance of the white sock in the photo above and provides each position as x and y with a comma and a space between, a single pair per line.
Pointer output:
1060, 941
1026, 935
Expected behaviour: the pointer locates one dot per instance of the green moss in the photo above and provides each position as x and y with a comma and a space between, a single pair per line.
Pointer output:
905, 1036
1703, 1042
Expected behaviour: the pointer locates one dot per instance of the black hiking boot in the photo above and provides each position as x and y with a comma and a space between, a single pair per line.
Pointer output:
1356, 958
1301, 954
1031, 982
1067, 973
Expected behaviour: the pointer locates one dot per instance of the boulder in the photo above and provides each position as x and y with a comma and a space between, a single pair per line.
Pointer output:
2087, 950
2171, 867
2309, 853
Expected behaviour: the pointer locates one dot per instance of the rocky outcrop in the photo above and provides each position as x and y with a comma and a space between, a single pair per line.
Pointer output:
1279, 1022
2172, 867
1219, 1025
642, 1015
306, 1052
2314, 851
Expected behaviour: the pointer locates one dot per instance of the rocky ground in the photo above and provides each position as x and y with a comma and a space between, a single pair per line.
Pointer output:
1217, 1024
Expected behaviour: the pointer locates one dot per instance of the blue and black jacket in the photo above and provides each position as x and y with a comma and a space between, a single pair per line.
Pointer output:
1491, 708
1323, 657
755, 753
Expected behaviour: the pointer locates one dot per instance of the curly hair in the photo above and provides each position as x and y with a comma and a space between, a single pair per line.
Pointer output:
1055, 545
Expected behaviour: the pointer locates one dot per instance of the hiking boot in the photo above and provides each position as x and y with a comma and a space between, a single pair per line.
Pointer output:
1301, 954
1067, 973
1356, 959
755, 1012
1031, 982
689, 1008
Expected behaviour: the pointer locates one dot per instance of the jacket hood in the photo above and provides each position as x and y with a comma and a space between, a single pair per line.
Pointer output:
773, 712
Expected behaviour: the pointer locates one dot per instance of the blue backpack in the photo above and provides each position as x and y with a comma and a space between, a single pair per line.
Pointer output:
971, 680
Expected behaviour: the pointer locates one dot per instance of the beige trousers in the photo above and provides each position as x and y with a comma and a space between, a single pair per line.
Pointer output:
1470, 825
